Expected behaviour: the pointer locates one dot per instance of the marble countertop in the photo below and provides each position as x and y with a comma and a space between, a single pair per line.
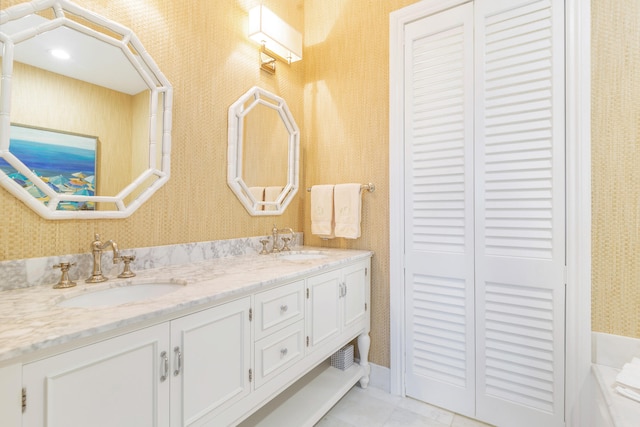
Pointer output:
31, 320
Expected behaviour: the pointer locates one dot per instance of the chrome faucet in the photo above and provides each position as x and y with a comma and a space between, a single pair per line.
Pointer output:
97, 246
275, 233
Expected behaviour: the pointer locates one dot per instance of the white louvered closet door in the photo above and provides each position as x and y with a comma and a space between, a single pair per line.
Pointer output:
484, 211
439, 271
520, 212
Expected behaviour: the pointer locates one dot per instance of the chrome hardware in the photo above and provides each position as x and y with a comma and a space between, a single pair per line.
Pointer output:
127, 259
343, 290
283, 352
24, 399
275, 234
370, 187
97, 246
285, 244
250, 314
344, 286
64, 281
165, 366
264, 250
284, 308
178, 355
250, 375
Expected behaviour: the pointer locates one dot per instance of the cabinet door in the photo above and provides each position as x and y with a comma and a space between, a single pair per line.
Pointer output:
356, 299
323, 308
211, 353
116, 382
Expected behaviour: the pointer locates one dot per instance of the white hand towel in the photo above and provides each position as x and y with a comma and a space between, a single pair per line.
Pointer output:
322, 220
270, 195
348, 209
258, 194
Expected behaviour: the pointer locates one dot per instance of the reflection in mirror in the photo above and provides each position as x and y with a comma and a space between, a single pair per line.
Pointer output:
107, 87
263, 153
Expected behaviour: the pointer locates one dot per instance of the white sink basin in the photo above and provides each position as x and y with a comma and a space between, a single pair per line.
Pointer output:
121, 294
301, 255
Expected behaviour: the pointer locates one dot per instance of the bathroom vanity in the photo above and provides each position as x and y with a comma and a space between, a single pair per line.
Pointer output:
241, 341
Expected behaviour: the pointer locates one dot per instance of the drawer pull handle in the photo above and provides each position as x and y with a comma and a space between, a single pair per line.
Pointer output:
178, 355
283, 352
165, 366
284, 308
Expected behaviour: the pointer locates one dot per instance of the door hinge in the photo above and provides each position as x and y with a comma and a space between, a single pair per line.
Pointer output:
365, 306
250, 375
307, 340
307, 293
366, 271
250, 314
24, 399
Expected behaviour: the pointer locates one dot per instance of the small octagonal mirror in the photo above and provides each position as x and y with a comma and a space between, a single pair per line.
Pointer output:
263, 152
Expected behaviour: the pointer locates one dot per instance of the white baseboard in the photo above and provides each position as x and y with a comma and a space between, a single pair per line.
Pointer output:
380, 377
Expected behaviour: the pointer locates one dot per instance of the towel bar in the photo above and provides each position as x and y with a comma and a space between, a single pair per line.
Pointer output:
370, 187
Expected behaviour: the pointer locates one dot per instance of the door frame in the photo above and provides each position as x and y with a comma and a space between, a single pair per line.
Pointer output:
578, 203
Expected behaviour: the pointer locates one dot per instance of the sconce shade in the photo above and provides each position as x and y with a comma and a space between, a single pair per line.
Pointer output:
280, 38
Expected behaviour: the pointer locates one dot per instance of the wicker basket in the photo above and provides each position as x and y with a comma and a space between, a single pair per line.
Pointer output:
343, 358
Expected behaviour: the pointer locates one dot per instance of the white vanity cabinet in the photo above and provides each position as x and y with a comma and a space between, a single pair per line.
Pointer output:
259, 360
336, 301
211, 361
117, 382
171, 374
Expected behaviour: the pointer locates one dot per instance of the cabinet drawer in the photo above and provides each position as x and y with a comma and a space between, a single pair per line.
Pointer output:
278, 351
279, 307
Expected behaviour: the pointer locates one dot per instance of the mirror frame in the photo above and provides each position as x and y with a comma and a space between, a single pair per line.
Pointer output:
237, 112
159, 86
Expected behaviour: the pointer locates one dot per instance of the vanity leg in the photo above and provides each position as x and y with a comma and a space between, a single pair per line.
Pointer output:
364, 341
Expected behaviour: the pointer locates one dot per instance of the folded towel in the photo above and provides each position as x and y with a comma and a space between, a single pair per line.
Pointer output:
270, 195
258, 194
322, 220
348, 209
629, 376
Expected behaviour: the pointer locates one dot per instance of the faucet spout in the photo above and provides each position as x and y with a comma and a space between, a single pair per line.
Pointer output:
97, 246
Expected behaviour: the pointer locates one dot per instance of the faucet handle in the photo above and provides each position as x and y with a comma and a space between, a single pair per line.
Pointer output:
127, 259
64, 281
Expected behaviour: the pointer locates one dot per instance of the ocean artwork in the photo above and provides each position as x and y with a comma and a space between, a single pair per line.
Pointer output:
64, 162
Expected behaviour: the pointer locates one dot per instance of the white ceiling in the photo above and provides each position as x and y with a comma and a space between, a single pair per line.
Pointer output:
92, 60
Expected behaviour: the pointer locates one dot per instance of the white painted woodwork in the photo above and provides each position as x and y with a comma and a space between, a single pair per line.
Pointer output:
439, 214
213, 367
279, 307
324, 314
484, 210
278, 351
116, 382
578, 200
10, 395
215, 347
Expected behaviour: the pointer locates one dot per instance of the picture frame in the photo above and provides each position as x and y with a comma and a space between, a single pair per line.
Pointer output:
65, 162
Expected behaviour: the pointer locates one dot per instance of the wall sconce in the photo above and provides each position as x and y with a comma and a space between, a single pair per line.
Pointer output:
276, 38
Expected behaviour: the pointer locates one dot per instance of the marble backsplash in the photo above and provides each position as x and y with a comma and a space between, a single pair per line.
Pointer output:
39, 271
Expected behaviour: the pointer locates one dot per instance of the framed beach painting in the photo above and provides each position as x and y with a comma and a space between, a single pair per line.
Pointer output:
64, 162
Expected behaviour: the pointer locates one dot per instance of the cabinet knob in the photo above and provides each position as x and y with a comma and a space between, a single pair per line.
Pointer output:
284, 308
283, 352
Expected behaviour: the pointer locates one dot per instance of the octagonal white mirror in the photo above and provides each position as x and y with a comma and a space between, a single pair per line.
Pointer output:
263, 152
87, 133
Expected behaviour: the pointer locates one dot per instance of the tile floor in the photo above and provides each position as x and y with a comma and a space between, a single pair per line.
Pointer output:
375, 408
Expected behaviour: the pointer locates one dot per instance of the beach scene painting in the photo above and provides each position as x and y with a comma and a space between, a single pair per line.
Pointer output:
65, 162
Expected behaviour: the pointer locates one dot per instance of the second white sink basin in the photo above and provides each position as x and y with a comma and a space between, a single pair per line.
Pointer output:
301, 255
121, 294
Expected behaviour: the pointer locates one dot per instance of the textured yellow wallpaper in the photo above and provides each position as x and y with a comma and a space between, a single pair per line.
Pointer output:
202, 48
338, 94
616, 166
